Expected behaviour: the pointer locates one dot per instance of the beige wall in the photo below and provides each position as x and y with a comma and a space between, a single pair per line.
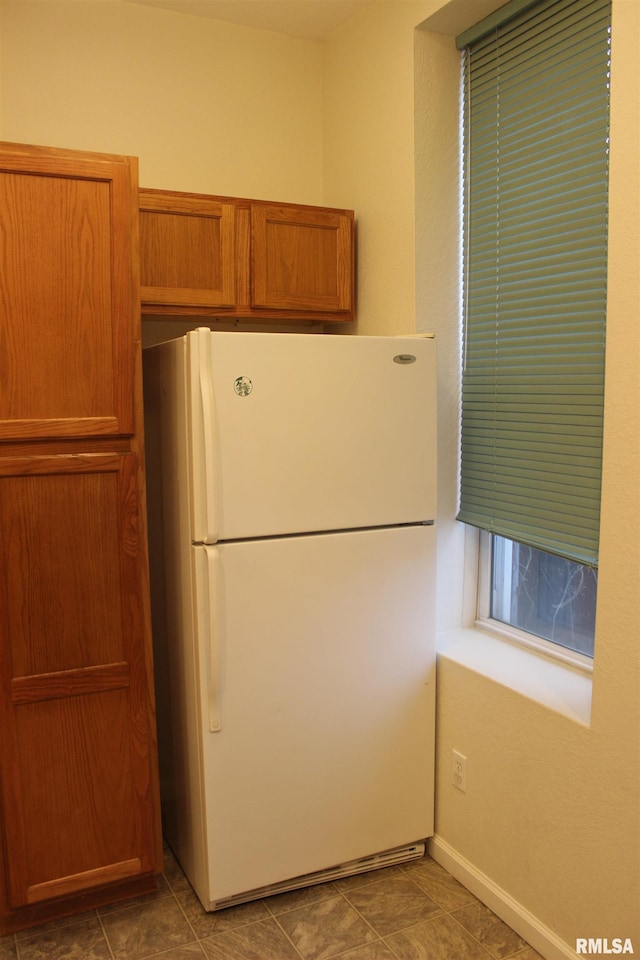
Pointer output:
206, 106
369, 156
551, 812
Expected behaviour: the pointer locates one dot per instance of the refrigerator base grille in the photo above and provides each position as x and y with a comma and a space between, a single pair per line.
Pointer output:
375, 862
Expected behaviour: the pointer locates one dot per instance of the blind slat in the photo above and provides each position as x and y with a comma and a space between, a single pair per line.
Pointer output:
535, 256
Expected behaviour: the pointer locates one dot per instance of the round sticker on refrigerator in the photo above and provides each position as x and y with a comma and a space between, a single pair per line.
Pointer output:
243, 386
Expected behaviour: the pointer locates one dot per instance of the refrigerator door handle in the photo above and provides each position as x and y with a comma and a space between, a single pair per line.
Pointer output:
209, 596
215, 614
205, 498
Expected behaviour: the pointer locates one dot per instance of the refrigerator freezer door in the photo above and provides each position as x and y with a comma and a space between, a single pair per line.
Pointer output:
325, 663
294, 433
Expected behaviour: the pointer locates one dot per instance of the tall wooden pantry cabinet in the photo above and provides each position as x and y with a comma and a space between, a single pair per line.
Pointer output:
79, 805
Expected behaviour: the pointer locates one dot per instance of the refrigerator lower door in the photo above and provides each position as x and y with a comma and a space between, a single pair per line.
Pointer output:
316, 691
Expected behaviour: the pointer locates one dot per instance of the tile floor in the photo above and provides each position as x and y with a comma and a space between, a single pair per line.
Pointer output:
415, 911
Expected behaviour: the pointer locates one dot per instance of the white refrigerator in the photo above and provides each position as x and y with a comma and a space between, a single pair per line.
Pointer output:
292, 499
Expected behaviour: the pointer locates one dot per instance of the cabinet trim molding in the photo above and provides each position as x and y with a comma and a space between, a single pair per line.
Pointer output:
82, 881
70, 683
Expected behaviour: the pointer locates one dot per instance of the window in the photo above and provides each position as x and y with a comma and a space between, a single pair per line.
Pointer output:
536, 110
539, 593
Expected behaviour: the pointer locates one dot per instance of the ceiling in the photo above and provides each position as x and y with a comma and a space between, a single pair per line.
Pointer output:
309, 19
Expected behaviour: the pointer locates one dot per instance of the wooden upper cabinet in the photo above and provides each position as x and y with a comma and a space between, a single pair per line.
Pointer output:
302, 258
187, 250
229, 257
69, 293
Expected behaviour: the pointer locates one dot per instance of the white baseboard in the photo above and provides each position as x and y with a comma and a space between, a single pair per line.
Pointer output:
525, 924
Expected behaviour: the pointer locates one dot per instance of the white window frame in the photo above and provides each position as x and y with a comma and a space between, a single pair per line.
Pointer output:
504, 631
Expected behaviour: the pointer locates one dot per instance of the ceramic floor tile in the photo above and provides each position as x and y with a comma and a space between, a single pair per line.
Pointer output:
135, 933
173, 873
372, 876
371, 951
193, 951
413, 911
392, 904
257, 941
206, 924
78, 941
326, 929
7, 948
439, 884
438, 939
283, 902
499, 939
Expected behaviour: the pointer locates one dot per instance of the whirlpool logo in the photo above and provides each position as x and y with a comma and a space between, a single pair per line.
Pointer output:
601, 945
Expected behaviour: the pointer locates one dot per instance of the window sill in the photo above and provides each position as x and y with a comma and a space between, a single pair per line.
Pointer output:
553, 684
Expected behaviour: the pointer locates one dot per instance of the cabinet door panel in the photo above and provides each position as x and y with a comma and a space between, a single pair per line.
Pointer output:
187, 250
69, 297
77, 760
302, 258
62, 557
78, 782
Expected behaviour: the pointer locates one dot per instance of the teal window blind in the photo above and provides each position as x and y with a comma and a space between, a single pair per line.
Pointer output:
536, 128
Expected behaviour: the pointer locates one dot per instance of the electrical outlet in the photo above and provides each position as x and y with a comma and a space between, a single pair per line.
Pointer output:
459, 770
